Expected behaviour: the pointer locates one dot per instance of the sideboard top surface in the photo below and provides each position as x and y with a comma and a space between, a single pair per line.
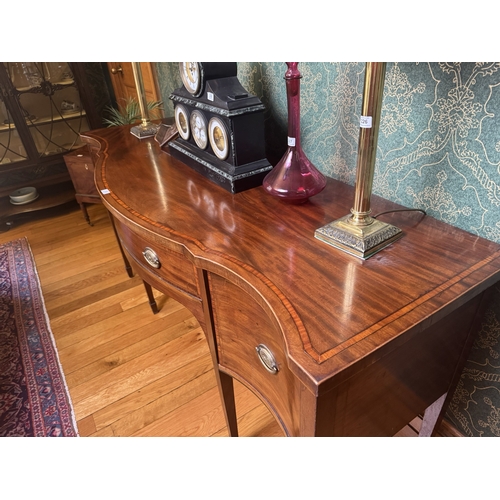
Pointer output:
334, 308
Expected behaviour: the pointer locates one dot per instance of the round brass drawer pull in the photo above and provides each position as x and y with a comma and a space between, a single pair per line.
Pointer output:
151, 257
267, 358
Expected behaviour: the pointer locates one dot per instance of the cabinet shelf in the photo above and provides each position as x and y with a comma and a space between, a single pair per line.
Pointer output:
45, 120
49, 197
4, 127
37, 88
60, 118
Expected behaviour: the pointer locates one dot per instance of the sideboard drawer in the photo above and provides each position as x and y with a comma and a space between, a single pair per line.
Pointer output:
151, 255
251, 348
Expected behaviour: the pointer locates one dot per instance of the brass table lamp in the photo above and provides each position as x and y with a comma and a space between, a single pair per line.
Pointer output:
146, 127
358, 233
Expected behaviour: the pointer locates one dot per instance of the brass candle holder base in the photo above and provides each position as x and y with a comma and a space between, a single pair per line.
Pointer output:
142, 131
360, 241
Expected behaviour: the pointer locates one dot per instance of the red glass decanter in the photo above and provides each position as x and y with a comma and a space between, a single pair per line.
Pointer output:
294, 179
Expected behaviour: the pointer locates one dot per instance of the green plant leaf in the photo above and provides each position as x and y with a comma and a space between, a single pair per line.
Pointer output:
130, 112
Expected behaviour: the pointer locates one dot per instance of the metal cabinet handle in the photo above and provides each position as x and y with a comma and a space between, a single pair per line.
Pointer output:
267, 358
151, 257
117, 70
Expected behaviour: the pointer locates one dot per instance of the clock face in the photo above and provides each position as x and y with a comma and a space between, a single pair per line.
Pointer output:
191, 76
219, 139
199, 129
182, 121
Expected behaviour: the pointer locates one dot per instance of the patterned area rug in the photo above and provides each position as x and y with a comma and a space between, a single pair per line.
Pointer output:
34, 400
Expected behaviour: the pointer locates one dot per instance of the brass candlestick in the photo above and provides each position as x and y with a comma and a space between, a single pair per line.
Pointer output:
146, 128
357, 233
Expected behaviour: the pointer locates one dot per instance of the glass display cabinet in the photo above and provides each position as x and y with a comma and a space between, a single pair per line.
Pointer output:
44, 106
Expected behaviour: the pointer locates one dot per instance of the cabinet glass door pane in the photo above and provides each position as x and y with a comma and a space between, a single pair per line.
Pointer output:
11, 146
50, 102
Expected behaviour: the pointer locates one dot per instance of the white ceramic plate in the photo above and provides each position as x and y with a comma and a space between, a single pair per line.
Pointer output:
23, 194
24, 202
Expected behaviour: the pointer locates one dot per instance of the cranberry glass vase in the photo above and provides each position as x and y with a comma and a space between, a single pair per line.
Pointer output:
294, 179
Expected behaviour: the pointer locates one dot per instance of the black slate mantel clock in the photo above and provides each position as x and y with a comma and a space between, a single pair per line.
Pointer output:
220, 125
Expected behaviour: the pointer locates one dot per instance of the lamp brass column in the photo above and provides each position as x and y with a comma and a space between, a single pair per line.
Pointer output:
146, 128
358, 233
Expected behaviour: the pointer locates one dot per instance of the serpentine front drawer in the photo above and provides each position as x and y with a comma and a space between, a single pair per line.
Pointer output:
251, 348
159, 261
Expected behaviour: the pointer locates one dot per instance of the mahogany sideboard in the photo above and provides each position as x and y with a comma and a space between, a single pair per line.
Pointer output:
332, 344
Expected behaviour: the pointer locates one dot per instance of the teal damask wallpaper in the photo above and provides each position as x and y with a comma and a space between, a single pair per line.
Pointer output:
438, 149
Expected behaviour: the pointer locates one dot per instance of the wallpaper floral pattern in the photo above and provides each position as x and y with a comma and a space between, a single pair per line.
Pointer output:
438, 149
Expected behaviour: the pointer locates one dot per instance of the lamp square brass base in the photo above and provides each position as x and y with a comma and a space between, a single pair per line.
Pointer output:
360, 241
141, 131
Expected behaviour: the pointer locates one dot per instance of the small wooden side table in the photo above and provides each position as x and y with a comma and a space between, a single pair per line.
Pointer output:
81, 171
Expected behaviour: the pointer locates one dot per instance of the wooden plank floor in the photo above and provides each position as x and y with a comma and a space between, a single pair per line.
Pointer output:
129, 372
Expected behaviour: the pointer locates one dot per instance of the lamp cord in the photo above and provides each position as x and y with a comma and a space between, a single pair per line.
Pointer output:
401, 210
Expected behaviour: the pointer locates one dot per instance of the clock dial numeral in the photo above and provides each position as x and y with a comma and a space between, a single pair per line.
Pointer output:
199, 129
190, 75
219, 139
182, 121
